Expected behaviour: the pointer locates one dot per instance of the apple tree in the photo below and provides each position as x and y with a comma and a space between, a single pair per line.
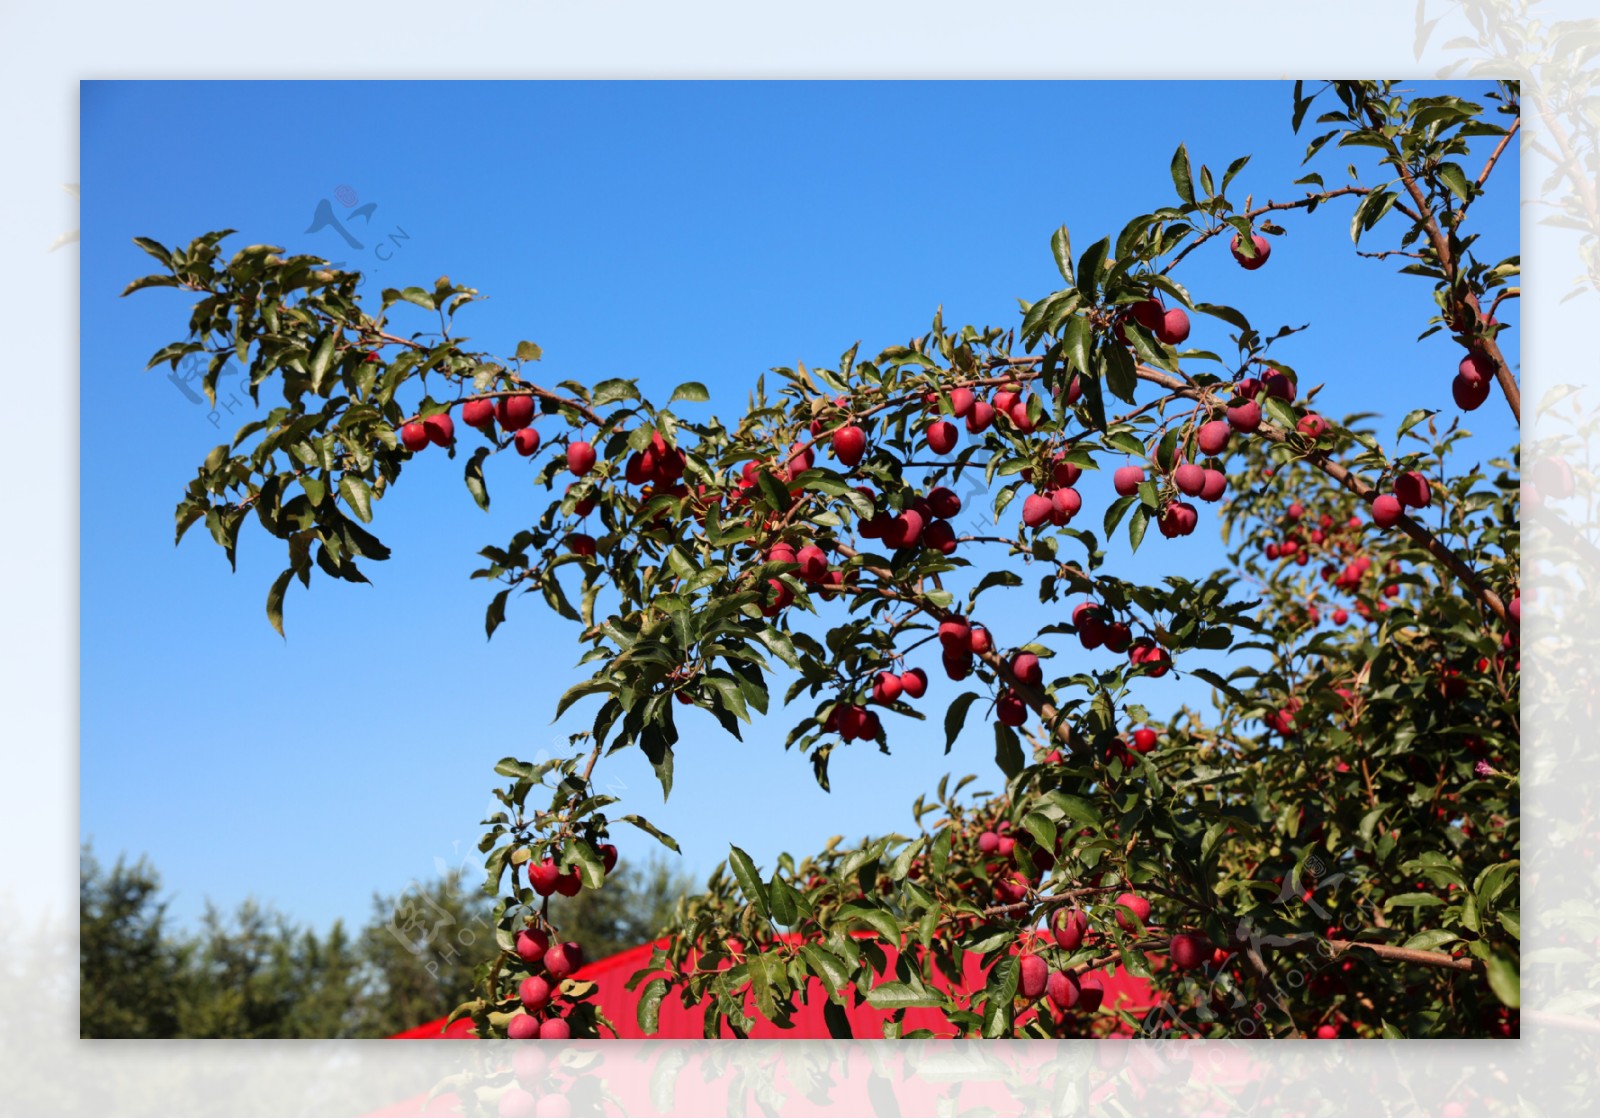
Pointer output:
1329, 848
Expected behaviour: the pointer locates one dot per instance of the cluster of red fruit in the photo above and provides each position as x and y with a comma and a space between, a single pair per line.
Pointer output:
1095, 627
924, 523
546, 878
813, 569
1171, 327
540, 1016
1008, 401
1473, 380
1411, 491
962, 641
1056, 504
853, 721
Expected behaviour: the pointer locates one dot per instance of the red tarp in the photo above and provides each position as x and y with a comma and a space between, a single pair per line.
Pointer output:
676, 1021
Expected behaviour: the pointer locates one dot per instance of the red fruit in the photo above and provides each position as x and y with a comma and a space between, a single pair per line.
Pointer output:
520, 1028
942, 437
980, 417
1413, 490
1341, 616
943, 503
580, 458
1032, 975
1177, 519
478, 413
413, 436
988, 843
1117, 637
1261, 246
563, 959
1248, 388
1148, 313
1476, 366
441, 429
871, 727
542, 877
1064, 505
1063, 989
552, 1029
1188, 951
1025, 667
1174, 328
535, 993
1215, 484
1279, 385
1213, 437
532, 944
1146, 652
914, 683
1091, 990
1036, 510
1312, 426
813, 563
961, 401
1074, 389
514, 412
1386, 510
905, 531
1004, 401
1327, 1032
1010, 709
887, 689
801, 459
636, 474
1069, 926
526, 441
1515, 609
849, 444
941, 537
1066, 473
978, 641
581, 544
1469, 393
1126, 480
1244, 416
1140, 907
853, 723
1190, 479
569, 884
782, 552
778, 597
954, 633
1144, 740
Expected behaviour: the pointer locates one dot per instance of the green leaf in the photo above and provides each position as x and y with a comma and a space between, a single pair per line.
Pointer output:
649, 1009
1413, 418
1137, 525
1412, 901
1504, 980
475, 482
755, 891
827, 967
692, 391
321, 357
956, 716
1428, 941
1182, 176
1008, 751
529, 351
275, 599
1451, 175
1061, 248
894, 995
358, 495
880, 921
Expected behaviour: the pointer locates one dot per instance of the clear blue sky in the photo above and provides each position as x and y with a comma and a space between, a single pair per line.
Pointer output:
658, 231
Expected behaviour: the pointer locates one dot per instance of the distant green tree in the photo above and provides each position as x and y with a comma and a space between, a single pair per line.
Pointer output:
128, 966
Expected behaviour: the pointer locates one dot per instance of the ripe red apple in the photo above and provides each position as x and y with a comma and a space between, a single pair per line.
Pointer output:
1341, 616
521, 1028
1126, 480
1065, 473
940, 537
914, 683
542, 877
441, 429
1032, 975
534, 993
1005, 400
961, 401
1327, 1032
1413, 490
526, 441
1251, 263
777, 598
568, 884
1470, 393
563, 959
532, 945
581, 544
1515, 609
608, 856
782, 552
1386, 510
801, 458
1140, 907
478, 413
1144, 740
988, 843
1190, 479
887, 689
1091, 991
813, 563
955, 633
1312, 426
1069, 927
1064, 505
1036, 510
978, 641
554, 1029
413, 436
980, 417
1215, 484
514, 412
580, 457
1074, 389
1117, 637
943, 502
1177, 519
1010, 709
1146, 652
1174, 328
905, 531
1148, 313
849, 444
1476, 366
1213, 437
1026, 668
942, 437
1063, 989
1244, 416
1188, 951
1279, 385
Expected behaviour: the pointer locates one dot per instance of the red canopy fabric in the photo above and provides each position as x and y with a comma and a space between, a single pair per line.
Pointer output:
1122, 991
